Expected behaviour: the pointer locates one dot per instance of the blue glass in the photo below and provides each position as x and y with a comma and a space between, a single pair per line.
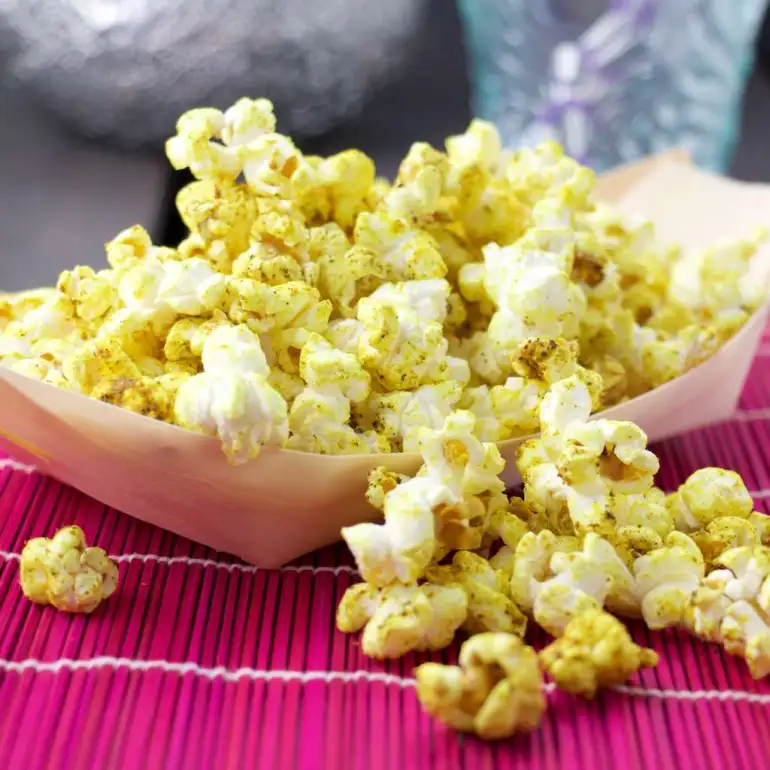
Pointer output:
613, 80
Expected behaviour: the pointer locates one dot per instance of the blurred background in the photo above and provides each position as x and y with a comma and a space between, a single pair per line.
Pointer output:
89, 89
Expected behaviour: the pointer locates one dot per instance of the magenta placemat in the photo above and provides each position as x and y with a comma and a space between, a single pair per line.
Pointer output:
200, 661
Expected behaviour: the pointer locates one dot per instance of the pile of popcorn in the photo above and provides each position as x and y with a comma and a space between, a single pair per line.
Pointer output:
590, 539
484, 295
318, 307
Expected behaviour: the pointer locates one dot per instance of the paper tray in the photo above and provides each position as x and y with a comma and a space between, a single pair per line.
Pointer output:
287, 503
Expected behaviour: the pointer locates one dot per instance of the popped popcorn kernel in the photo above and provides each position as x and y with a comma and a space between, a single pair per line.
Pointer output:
595, 651
401, 618
63, 572
708, 494
495, 692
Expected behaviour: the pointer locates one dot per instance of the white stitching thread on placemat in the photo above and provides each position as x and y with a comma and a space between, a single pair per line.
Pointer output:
190, 561
327, 677
8, 463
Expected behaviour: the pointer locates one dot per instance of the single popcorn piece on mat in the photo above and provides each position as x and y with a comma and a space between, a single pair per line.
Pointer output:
63, 572
731, 606
595, 651
495, 692
708, 494
401, 618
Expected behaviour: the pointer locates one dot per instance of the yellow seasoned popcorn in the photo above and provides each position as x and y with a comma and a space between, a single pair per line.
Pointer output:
400, 618
337, 188
421, 194
489, 608
580, 581
63, 572
402, 547
731, 606
93, 294
401, 415
218, 211
399, 348
231, 398
724, 533
382, 481
495, 692
404, 252
595, 651
278, 251
97, 363
708, 494
476, 281
666, 579
320, 413
580, 465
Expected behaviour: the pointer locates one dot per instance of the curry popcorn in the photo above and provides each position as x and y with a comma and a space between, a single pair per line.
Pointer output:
476, 280
63, 572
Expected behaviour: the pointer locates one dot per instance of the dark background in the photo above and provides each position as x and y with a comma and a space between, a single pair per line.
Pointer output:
62, 197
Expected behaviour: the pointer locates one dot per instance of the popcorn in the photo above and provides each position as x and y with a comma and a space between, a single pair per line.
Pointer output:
666, 579
595, 651
488, 606
708, 494
496, 691
151, 397
401, 350
337, 188
404, 253
63, 572
218, 213
233, 400
731, 604
93, 294
420, 193
279, 251
401, 548
97, 363
581, 580
194, 147
320, 415
482, 296
382, 481
400, 416
722, 534
582, 466
400, 618
455, 457
190, 287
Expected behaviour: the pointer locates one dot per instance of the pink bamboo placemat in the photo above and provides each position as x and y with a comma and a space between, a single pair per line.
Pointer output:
200, 661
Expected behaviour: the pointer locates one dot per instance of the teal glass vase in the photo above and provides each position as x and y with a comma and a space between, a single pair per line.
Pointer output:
613, 80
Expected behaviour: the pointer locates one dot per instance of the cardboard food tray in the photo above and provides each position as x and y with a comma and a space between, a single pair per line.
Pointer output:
286, 503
